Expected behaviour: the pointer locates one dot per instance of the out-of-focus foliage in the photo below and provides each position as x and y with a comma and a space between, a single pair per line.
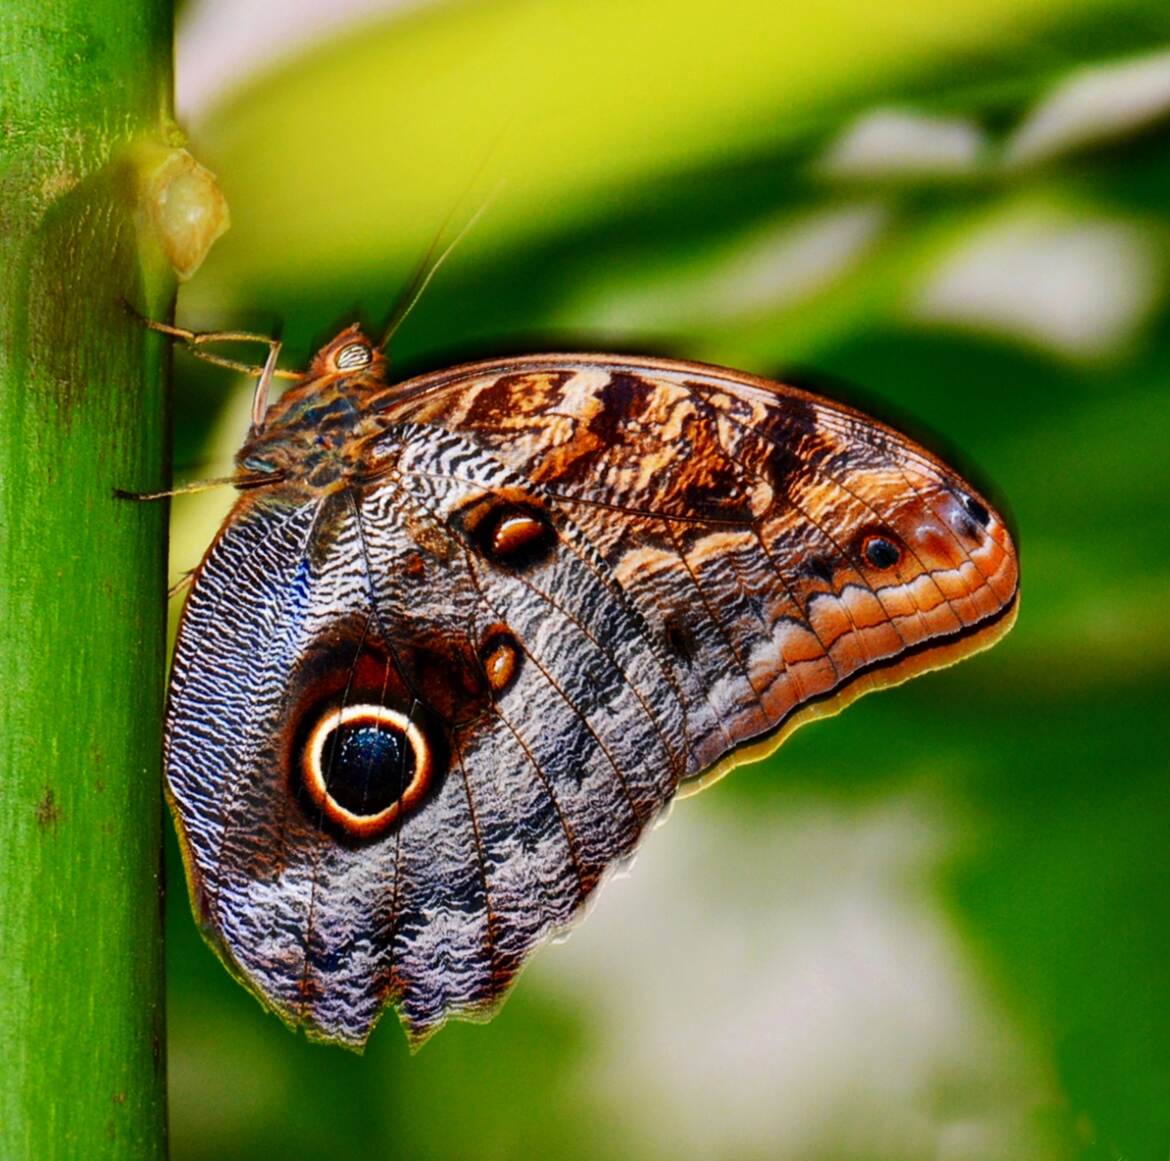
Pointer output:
933, 927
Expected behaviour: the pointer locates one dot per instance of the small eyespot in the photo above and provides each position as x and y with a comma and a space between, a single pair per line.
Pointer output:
363, 765
977, 511
352, 356
500, 659
514, 532
514, 536
880, 552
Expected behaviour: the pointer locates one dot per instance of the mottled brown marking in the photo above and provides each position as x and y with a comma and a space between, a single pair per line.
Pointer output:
820, 567
48, 815
432, 539
789, 443
495, 405
680, 637
691, 477
623, 413
624, 401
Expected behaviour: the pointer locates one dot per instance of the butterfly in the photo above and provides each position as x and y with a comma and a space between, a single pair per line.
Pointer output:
462, 638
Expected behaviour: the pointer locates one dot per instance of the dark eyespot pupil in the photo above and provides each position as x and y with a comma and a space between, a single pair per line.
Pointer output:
881, 553
367, 767
977, 510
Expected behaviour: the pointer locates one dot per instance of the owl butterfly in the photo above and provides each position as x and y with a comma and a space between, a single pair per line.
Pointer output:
462, 638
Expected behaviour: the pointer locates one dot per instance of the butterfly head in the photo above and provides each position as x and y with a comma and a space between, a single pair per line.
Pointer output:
313, 433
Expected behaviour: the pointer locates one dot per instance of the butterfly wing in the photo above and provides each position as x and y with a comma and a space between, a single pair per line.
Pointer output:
412, 722
789, 553
543, 737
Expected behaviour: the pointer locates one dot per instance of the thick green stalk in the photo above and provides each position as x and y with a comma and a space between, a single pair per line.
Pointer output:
81, 577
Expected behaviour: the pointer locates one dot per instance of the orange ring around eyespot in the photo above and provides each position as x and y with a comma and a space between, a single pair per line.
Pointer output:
364, 825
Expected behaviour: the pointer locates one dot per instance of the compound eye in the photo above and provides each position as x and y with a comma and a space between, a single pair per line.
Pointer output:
352, 356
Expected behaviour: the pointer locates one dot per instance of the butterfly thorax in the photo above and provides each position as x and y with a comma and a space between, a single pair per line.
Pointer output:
314, 434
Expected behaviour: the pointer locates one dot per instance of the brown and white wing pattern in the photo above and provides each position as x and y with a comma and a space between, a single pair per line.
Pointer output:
410, 728
788, 553
418, 711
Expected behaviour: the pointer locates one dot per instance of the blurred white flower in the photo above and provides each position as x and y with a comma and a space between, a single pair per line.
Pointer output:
791, 987
1076, 284
1093, 105
887, 143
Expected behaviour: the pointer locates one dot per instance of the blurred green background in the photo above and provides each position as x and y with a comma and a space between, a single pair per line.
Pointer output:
935, 927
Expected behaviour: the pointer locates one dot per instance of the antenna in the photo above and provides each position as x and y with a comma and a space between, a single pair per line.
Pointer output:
430, 265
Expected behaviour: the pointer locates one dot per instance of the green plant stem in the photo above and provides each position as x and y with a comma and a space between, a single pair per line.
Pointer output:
81, 577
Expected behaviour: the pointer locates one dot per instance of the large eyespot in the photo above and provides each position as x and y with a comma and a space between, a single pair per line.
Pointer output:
362, 766
880, 551
352, 356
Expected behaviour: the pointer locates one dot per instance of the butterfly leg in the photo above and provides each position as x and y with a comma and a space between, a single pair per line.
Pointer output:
184, 582
183, 489
197, 340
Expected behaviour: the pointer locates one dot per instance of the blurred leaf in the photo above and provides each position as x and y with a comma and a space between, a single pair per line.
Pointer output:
668, 192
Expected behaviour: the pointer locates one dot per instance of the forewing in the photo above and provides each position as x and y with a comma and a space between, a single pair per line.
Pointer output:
788, 553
